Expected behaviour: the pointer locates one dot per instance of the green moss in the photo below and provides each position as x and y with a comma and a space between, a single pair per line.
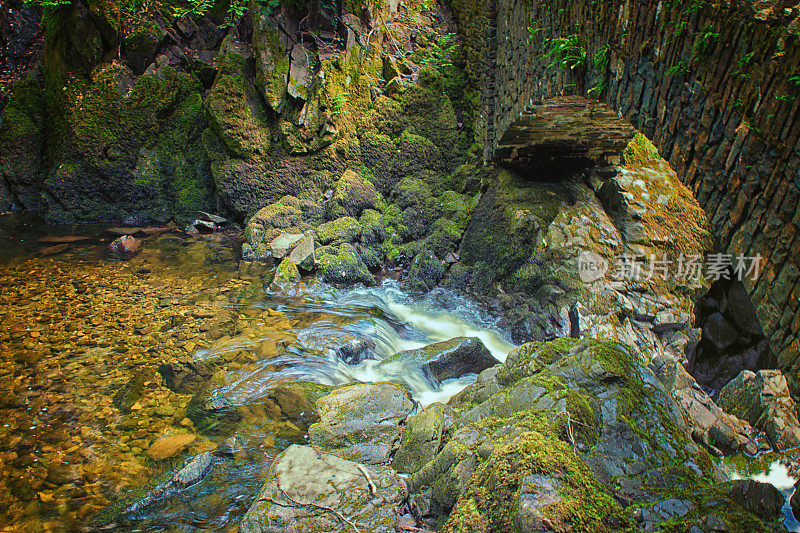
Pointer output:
144, 39
346, 267
354, 194
287, 272
341, 230
425, 272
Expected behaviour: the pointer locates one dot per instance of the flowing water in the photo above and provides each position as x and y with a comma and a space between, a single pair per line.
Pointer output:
83, 402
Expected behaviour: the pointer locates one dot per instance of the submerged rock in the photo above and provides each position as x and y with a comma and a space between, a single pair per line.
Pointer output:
763, 399
447, 359
308, 490
124, 246
169, 445
361, 422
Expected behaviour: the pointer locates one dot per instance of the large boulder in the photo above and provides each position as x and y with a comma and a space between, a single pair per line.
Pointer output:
422, 438
308, 490
566, 435
353, 195
447, 359
346, 267
361, 422
762, 398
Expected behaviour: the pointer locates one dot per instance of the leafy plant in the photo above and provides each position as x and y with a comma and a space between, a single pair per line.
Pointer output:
443, 51
45, 3
566, 52
197, 8
704, 40
532, 33
602, 59
678, 69
338, 103
743, 62
795, 80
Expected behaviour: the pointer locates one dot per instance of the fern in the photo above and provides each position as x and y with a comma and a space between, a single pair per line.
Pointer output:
566, 52
443, 51
338, 103
678, 69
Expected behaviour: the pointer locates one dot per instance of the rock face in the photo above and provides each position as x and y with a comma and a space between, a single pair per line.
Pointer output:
361, 422
684, 107
544, 440
447, 359
763, 400
422, 437
307, 490
722, 432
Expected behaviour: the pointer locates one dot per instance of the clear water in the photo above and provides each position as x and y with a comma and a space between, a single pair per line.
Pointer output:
78, 325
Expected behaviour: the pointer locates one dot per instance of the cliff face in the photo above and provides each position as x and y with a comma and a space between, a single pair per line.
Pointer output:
150, 115
715, 87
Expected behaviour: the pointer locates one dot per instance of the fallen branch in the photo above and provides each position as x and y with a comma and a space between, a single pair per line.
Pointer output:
372, 487
339, 515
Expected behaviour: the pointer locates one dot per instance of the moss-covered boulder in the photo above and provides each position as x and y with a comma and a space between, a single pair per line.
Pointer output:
287, 215
286, 273
121, 147
141, 44
425, 272
346, 267
377, 152
353, 194
297, 400
233, 107
341, 230
415, 155
585, 423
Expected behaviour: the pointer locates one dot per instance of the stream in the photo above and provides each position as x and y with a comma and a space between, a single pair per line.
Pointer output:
84, 403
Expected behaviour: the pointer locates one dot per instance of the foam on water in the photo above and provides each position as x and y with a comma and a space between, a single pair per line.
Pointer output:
385, 315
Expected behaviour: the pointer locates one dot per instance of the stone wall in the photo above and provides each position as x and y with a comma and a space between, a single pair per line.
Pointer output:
716, 89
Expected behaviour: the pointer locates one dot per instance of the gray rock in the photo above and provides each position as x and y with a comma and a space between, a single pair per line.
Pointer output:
537, 491
447, 359
282, 244
741, 310
308, 490
355, 350
763, 400
303, 253
762, 499
361, 422
194, 472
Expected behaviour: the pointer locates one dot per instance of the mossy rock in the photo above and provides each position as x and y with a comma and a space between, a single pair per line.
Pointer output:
341, 230
346, 267
373, 227
117, 150
272, 60
422, 438
354, 194
287, 272
377, 152
233, 108
141, 44
425, 272
416, 154
274, 219
21, 142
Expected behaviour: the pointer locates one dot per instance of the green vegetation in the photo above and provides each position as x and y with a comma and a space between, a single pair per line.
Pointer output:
602, 58
567, 53
679, 69
442, 53
338, 103
704, 39
742, 63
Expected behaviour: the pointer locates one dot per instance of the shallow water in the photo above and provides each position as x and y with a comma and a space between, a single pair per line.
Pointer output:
781, 470
79, 326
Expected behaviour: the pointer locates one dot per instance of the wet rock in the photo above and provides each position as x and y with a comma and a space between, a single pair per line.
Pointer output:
216, 219
297, 400
186, 377
719, 331
663, 511
362, 421
355, 350
353, 194
447, 359
55, 249
211, 410
124, 246
308, 490
422, 438
346, 267
336, 232
194, 471
170, 445
763, 400
794, 500
425, 272
286, 274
